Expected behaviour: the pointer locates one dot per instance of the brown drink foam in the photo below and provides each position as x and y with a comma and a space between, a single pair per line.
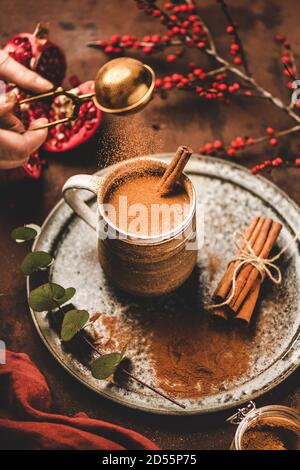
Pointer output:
136, 207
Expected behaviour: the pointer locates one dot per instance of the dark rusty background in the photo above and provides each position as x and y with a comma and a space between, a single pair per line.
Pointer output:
182, 119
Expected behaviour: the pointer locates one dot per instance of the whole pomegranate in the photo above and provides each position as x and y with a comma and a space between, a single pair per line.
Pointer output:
35, 51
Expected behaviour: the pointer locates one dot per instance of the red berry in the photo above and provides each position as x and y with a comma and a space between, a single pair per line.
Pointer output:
208, 147
273, 141
168, 85
109, 49
235, 47
279, 38
270, 130
156, 13
297, 161
230, 152
148, 49
201, 45
171, 57
176, 77
237, 60
250, 141
218, 144
222, 86
158, 83
115, 39
229, 29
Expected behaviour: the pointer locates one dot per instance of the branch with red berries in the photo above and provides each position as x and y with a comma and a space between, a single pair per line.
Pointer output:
226, 78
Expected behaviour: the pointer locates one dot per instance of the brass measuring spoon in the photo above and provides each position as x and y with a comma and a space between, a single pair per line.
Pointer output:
122, 86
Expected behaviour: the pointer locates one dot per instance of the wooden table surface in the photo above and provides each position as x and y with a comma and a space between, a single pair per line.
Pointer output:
182, 119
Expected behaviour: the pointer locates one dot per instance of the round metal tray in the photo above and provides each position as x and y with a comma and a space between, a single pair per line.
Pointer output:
230, 196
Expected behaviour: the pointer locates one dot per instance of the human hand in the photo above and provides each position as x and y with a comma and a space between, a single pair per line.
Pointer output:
16, 144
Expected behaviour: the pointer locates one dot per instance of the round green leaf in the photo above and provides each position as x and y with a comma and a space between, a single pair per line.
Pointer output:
73, 322
22, 234
106, 365
35, 261
45, 297
69, 293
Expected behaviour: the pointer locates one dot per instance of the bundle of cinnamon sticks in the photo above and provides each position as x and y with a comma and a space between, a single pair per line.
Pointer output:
261, 235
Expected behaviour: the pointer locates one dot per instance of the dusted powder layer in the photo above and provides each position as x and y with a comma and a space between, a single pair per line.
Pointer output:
138, 208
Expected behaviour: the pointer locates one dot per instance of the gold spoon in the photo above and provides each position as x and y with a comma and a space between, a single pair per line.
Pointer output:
122, 86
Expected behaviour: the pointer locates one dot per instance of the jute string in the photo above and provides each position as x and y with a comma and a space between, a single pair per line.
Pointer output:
265, 266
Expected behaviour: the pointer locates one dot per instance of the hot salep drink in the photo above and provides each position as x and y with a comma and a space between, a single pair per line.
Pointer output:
149, 211
145, 222
135, 206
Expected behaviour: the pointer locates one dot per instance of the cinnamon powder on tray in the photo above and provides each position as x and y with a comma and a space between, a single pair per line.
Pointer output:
192, 360
189, 356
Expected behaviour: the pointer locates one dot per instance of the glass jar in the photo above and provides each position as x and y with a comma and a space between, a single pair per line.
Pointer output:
267, 417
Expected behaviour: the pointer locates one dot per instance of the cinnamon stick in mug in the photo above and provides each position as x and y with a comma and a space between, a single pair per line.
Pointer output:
174, 170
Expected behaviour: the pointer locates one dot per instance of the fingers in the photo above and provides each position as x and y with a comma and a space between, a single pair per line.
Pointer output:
12, 71
10, 122
7, 119
7, 103
16, 148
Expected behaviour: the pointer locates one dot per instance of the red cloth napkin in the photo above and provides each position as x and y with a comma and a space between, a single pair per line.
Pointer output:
26, 397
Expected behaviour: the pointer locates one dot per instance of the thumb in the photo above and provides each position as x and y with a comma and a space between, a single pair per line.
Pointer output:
35, 138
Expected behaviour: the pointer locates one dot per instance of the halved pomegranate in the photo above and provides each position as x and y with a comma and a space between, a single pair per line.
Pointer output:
31, 169
36, 52
65, 137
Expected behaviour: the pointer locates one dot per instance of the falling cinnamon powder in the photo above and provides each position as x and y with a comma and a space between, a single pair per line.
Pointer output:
126, 137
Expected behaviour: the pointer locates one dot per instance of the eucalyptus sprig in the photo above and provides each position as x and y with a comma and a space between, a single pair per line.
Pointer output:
52, 297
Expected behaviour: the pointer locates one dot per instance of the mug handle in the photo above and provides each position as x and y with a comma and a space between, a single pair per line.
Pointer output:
69, 190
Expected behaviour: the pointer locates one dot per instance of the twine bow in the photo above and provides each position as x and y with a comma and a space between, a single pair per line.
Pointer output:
265, 266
